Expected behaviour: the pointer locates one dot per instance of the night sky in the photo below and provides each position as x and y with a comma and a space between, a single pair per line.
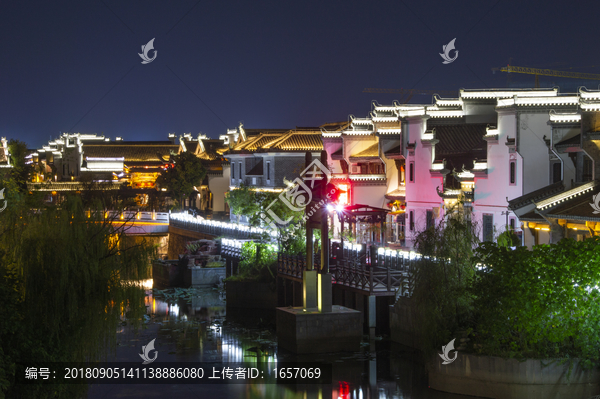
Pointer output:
74, 66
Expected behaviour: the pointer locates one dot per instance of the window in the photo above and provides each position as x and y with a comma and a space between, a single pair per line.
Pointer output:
556, 172
488, 227
232, 171
411, 220
268, 171
240, 174
513, 172
411, 172
430, 222
512, 223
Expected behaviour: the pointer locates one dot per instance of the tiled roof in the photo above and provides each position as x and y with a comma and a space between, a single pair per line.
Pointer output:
398, 193
213, 150
138, 151
372, 151
191, 146
388, 125
577, 208
302, 141
395, 150
574, 140
292, 140
335, 126
537, 195
461, 139
339, 154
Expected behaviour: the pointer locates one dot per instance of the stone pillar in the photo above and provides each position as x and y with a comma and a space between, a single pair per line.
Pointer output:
372, 314
325, 294
309, 292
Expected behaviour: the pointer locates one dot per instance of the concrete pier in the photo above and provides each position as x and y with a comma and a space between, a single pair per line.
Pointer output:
302, 330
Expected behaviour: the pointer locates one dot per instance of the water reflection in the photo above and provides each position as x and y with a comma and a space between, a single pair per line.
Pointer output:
190, 326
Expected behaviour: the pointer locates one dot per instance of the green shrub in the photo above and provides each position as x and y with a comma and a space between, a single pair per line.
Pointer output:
540, 303
258, 262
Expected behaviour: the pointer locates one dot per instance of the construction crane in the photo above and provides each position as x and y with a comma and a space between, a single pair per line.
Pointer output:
409, 93
546, 72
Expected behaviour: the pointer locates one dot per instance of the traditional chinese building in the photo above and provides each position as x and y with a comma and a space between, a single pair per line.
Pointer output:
569, 204
367, 165
265, 159
210, 195
482, 149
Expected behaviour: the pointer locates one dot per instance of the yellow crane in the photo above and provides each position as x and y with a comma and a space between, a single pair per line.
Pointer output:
409, 93
547, 72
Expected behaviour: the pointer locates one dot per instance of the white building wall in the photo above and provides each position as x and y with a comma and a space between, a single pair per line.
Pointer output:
391, 174
421, 194
491, 192
531, 146
369, 195
218, 186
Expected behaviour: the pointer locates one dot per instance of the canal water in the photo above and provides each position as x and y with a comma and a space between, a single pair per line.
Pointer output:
191, 327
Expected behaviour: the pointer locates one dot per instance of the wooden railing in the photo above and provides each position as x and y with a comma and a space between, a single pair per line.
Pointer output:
355, 273
363, 269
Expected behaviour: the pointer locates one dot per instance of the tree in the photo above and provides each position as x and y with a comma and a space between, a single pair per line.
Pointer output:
443, 276
253, 204
20, 171
65, 279
181, 178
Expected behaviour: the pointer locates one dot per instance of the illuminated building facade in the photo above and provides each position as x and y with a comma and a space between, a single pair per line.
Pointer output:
489, 150
210, 195
264, 159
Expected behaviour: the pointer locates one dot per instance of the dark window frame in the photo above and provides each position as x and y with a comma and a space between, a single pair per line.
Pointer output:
488, 234
512, 172
430, 220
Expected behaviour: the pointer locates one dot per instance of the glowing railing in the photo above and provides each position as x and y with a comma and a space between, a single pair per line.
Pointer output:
217, 228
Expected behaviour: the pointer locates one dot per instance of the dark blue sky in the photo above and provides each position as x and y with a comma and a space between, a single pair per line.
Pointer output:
74, 66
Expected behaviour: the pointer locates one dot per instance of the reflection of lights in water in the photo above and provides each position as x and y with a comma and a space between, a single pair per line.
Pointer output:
174, 309
145, 284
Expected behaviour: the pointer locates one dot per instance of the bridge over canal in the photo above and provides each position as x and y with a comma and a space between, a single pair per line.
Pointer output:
366, 279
